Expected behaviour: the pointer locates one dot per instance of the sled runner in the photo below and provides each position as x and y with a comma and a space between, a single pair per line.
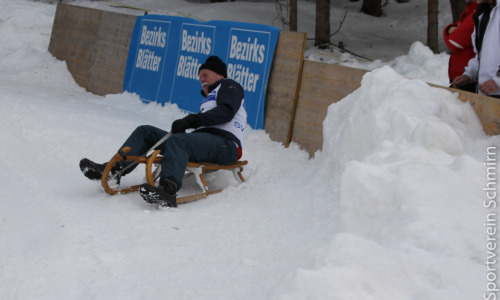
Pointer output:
111, 183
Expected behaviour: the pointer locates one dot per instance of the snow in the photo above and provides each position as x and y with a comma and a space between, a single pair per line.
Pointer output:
393, 207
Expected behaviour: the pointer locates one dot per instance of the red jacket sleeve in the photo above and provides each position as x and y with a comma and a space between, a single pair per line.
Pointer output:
446, 36
460, 38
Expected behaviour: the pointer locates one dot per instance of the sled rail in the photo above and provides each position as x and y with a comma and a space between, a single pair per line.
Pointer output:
153, 162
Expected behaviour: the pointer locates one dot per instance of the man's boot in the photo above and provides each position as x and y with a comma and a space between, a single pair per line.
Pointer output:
164, 194
93, 171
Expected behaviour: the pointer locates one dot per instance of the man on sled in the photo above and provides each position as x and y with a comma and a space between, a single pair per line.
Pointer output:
217, 136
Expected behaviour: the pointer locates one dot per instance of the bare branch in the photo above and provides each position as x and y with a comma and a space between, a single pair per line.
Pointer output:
340, 25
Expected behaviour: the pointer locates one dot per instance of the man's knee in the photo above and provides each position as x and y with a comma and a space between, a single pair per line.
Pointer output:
144, 128
176, 139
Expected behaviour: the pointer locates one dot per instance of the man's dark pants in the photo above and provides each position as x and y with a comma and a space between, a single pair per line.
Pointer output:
182, 148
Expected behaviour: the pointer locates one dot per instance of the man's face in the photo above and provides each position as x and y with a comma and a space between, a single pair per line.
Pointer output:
207, 78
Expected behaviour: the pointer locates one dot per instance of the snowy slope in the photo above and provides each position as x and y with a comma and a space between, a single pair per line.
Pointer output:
392, 208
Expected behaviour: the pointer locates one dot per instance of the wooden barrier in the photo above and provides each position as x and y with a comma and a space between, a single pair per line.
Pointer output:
321, 85
486, 108
283, 86
94, 43
324, 84
110, 53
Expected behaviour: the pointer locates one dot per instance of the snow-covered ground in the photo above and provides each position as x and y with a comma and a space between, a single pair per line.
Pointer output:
398, 205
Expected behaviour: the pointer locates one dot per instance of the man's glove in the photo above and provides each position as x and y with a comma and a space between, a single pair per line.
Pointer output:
180, 125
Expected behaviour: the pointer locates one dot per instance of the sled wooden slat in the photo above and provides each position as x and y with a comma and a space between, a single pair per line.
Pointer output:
191, 198
198, 168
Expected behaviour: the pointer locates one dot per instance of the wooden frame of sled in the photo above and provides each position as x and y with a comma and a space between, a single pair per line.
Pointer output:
152, 174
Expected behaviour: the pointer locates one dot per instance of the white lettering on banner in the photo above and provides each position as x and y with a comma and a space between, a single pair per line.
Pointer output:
247, 51
188, 67
147, 60
195, 43
154, 38
243, 76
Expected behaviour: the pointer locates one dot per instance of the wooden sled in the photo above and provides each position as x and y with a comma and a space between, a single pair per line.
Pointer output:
153, 173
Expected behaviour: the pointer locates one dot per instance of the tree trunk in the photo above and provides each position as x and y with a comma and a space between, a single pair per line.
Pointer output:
293, 15
432, 25
457, 7
372, 7
322, 30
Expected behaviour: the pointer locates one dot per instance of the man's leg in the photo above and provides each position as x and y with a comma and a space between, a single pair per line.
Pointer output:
142, 139
178, 150
197, 147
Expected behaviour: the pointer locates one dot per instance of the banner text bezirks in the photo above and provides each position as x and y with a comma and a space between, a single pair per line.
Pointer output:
146, 58
153, 38
196, 43
247, 51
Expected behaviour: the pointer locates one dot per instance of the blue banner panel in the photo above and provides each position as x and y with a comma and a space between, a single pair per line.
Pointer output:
197, 43
166, 51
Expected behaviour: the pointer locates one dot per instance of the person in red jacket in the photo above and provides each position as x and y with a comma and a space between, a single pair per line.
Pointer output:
457, 37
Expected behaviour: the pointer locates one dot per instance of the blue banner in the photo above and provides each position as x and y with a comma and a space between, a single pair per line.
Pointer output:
166, 51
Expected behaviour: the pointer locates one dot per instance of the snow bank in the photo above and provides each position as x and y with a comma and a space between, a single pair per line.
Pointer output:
410, 209
419, 63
